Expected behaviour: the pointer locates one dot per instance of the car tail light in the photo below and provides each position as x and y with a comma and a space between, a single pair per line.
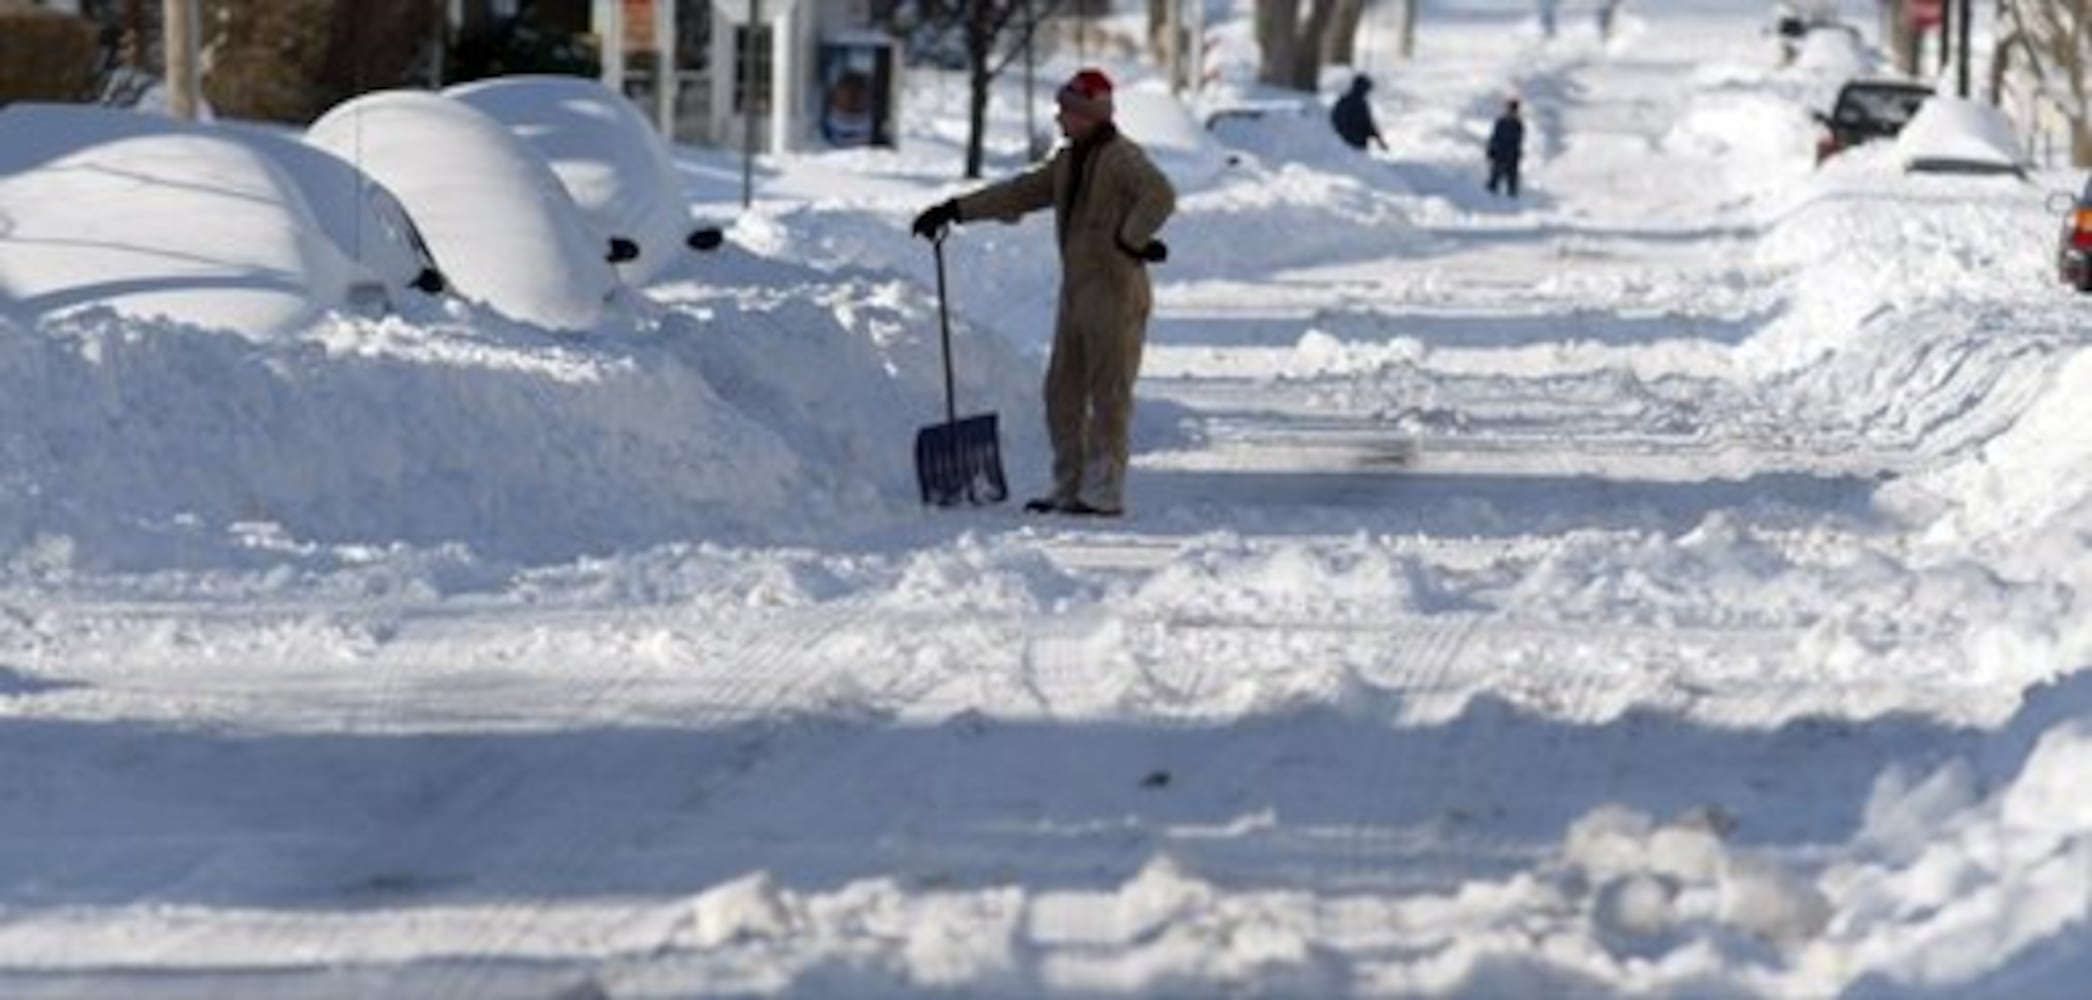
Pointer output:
2081, 229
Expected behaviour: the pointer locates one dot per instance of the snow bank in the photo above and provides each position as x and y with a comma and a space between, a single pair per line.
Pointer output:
2020, 484
1940, 892
139, 445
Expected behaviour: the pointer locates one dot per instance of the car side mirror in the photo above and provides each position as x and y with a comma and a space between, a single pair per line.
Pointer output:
1821, 118
707, 238
622, 250
429, 281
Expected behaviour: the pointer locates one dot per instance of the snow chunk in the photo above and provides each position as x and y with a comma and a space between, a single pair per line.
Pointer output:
2050, 795
751, 907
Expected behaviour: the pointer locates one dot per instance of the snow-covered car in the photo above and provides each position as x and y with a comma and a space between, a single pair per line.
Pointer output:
1827, 57
360, 215
499, 224
611, 161
1171, 135
1956, 135
155, 218
1833, 50
2074, 240
1867, 110
1792, 20
362, 218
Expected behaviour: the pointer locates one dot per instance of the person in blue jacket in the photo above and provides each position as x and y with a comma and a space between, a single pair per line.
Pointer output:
1506, 148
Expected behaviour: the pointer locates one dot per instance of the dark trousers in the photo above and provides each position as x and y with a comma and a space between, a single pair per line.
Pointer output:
1504, 173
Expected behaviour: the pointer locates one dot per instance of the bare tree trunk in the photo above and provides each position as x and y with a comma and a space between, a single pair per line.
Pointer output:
2001, 62
1277, 34
183, 82
1903, 39
2054, 37
978, 79
1340, 43
1307, 52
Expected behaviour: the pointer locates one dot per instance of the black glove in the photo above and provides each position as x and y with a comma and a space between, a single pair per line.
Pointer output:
931, 223
1154, 253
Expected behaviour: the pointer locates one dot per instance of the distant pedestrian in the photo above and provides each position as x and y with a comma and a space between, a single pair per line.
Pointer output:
1506, 148
1352, 117
1546, 12
1608, 13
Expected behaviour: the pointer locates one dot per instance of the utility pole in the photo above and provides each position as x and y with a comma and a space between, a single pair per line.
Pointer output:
1947, 19
612, 25
1173, 44
666, 40
183, 84
748, 48
1961, 44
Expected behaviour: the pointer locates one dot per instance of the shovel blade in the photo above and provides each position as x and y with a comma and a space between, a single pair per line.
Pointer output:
961, 460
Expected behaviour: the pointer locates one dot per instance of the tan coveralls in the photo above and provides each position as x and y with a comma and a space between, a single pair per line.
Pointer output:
1119, 205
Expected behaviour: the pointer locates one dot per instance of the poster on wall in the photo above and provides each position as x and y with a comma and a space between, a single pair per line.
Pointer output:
856, 77
639, 26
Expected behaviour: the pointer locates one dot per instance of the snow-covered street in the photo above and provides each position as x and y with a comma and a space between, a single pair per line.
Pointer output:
1666, 583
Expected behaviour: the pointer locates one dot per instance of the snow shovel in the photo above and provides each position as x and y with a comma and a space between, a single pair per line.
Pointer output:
958, 459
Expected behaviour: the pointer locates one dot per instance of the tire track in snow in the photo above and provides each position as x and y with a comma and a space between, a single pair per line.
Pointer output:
756, 684
481, 786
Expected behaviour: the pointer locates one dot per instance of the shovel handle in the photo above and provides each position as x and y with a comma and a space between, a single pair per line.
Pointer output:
944, 328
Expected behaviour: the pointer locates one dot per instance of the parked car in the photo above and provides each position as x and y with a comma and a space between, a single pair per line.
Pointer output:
1867, 110
1830, 56
358, 213
2074, 242
497, 221
619, 171
153, 218
1956, 135
1792, 20
1170, 134
1833, 50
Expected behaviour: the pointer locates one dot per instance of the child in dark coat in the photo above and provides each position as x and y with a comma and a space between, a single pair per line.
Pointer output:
1352, 117
1506, 148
